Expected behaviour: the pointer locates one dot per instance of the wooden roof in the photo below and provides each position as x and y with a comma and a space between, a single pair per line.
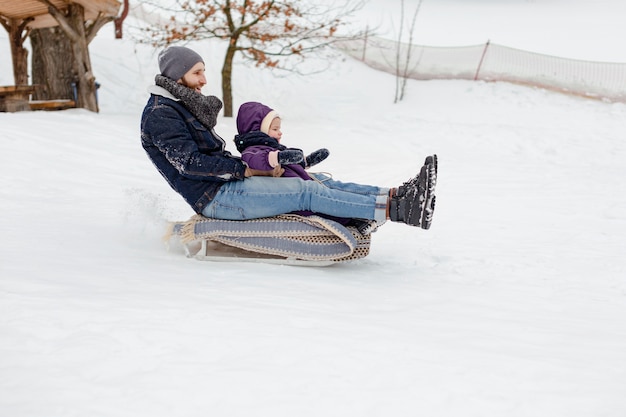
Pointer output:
23, 9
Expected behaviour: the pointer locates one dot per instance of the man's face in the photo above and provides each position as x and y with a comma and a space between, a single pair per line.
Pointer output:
194, 78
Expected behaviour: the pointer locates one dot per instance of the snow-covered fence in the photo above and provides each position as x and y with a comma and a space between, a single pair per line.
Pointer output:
492, 62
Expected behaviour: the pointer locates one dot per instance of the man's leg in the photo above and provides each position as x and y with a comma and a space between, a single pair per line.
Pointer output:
257, 197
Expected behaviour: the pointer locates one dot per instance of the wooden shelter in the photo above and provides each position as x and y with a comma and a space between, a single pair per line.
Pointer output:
19, 17
38, 16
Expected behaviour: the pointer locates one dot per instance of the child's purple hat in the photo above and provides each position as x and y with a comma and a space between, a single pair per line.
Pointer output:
253, 116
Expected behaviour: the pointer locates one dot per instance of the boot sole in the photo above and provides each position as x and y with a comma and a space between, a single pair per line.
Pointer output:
432, 159
428, 208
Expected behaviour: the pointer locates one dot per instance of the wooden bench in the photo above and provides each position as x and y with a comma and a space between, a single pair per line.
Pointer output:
15, 97
51, 104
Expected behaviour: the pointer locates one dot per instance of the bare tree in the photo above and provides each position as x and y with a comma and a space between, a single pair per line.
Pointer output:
402, 70
263, 32
52, 64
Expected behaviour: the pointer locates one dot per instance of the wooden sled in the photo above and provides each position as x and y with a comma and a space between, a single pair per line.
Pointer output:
285, 240
209, 250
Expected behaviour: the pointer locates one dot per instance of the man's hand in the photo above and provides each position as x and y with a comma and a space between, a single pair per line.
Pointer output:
276, 172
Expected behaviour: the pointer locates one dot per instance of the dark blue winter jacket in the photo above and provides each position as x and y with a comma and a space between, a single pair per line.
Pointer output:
189, 155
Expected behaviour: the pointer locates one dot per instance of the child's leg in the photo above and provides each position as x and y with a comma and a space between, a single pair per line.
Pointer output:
348, 186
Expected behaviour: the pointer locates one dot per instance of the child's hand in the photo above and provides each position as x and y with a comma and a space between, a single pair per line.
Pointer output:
277, 171
316, 157
290, 156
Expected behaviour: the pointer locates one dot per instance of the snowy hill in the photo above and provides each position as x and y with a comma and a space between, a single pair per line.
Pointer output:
513, 303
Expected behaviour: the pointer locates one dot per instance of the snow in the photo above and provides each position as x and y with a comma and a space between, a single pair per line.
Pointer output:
513, 303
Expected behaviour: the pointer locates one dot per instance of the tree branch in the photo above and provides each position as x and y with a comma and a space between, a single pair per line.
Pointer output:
5, 24
97, 24
62, 20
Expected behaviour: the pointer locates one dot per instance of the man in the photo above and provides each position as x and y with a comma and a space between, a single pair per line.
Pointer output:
177, 132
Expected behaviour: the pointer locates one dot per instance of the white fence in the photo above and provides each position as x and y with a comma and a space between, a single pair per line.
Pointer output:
492, 62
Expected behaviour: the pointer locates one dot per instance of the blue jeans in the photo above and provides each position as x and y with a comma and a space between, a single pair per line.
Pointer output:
257, 197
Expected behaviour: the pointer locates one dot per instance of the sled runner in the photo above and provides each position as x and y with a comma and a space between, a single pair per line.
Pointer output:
286, 239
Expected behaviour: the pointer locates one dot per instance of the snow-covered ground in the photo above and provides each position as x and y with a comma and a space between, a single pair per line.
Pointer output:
512, 304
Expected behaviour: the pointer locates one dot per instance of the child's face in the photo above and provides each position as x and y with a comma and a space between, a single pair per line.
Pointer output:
274, 130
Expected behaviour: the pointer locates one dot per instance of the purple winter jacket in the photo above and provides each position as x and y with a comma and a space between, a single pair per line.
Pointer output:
255, 145
254, 148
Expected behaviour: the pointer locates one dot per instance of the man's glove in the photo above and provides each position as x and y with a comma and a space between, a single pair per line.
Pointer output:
316, 157
291, 156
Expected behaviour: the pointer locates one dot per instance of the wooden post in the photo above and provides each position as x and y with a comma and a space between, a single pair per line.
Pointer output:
480, 64
18, 32
367, 30
119, 20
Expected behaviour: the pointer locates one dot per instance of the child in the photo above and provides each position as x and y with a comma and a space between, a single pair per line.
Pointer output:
258, 141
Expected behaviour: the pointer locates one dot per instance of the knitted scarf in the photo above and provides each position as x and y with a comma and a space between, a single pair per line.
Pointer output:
204, 108
256, 138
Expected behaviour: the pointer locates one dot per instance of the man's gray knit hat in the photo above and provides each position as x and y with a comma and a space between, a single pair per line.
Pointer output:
175, 61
